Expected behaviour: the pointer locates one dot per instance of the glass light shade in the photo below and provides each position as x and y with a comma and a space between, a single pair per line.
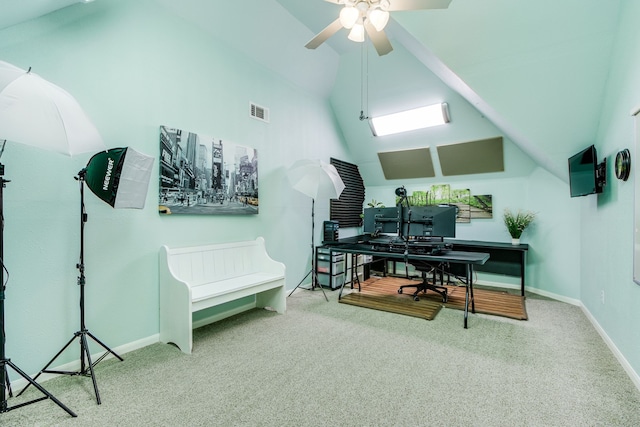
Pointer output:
378, 18
349, 16
418, 118
357, 33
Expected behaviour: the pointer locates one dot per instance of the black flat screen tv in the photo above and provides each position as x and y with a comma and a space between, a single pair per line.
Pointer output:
586, 176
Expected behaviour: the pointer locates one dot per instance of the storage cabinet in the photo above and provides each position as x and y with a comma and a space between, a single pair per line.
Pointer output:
329, 268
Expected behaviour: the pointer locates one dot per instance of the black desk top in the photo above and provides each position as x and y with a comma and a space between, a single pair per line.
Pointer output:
488, 245
363, 238
449, 256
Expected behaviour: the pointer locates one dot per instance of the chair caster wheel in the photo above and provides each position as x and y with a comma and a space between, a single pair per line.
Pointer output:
399, 291
416, 298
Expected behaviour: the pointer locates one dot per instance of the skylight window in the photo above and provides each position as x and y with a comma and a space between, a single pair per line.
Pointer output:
404, 121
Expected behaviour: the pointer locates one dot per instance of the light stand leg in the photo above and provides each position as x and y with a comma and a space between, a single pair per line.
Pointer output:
312, 272
86, 364
5, 363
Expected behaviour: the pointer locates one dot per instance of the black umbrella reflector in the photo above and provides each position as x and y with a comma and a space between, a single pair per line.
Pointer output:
120, 177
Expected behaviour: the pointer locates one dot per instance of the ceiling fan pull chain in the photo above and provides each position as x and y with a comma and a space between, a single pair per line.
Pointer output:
364, 83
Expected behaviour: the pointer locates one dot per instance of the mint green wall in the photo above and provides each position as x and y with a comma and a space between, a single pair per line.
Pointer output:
607, 223
133, 67
551, 264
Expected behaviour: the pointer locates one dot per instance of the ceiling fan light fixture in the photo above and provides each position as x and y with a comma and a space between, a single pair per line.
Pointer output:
349, 16
417, 118
357, 32
378, 18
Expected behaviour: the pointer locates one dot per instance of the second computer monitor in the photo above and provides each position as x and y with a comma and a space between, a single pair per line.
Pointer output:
381, 220
429, 221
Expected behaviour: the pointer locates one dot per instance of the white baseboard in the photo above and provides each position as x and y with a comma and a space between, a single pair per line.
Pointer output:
623, 361
540, 292
20, 383
618, 355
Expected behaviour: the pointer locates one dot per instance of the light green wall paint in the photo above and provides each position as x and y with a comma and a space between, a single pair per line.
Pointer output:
134, 67
607, 223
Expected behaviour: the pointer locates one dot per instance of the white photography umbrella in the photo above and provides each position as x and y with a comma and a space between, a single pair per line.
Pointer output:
36, 112
316, 179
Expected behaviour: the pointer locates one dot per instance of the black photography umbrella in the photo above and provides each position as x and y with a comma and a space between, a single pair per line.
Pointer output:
120, 177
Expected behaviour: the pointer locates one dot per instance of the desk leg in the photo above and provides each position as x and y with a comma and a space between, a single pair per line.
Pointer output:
343, 282
522, 263
469, 295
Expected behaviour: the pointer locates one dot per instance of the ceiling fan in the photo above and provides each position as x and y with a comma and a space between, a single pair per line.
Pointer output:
370, 16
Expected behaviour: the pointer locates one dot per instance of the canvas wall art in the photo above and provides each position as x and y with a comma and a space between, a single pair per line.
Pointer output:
203, 175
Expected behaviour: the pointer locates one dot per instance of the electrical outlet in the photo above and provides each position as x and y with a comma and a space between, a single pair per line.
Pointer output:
602, 296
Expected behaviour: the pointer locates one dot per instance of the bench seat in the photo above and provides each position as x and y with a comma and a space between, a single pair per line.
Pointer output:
199, 277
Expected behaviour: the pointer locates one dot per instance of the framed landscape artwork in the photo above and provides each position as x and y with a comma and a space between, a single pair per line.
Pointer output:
203, 175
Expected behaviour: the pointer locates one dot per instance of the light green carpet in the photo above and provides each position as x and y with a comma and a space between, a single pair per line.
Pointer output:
330, 364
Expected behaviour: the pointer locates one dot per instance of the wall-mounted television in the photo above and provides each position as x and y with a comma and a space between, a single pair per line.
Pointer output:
586, 175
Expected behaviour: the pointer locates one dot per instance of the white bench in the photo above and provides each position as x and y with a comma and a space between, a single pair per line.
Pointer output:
198, 277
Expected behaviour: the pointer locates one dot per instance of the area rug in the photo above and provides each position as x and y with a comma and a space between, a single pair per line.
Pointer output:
497, 303
381, 293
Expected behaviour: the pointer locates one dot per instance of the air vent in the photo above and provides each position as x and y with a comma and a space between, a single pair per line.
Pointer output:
259, 113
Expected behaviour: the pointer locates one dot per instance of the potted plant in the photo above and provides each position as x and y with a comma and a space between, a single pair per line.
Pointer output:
516, 223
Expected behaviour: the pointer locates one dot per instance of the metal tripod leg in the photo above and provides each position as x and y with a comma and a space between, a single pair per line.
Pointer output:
86, 368
3, 405
314, 281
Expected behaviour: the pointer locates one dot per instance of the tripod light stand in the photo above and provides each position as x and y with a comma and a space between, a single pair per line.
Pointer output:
312, 272
5, 363
120, 177
86, 364
315, 179
37, 113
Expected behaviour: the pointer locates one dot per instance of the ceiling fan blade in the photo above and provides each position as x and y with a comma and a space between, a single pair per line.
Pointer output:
418, 4
378, 38
323, 35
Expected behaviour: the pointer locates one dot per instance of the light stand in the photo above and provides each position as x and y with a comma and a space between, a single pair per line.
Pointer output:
5, 363
86, 364
312, 272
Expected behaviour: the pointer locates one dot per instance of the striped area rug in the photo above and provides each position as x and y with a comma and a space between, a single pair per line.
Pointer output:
497, 303
381, 293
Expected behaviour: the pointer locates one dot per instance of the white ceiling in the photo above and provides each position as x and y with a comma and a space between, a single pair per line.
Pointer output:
16, 11
537, 70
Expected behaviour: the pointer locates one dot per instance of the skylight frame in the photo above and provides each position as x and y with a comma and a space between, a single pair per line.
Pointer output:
409, 120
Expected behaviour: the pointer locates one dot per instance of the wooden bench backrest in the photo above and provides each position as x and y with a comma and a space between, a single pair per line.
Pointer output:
204, 264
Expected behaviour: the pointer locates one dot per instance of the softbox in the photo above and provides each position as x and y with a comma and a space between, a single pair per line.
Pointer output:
120, 177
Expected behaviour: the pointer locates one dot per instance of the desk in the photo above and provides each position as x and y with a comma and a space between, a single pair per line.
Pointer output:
467, 259
505, 258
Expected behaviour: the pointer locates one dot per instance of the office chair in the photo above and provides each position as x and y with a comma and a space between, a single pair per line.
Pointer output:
426, 268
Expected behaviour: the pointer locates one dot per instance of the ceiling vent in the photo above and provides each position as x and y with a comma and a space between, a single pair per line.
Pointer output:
259, 113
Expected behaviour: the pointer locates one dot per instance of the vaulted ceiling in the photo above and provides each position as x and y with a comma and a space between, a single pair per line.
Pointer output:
536, 71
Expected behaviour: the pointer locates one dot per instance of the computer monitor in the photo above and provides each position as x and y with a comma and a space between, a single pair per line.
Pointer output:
429, 221
381, 221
